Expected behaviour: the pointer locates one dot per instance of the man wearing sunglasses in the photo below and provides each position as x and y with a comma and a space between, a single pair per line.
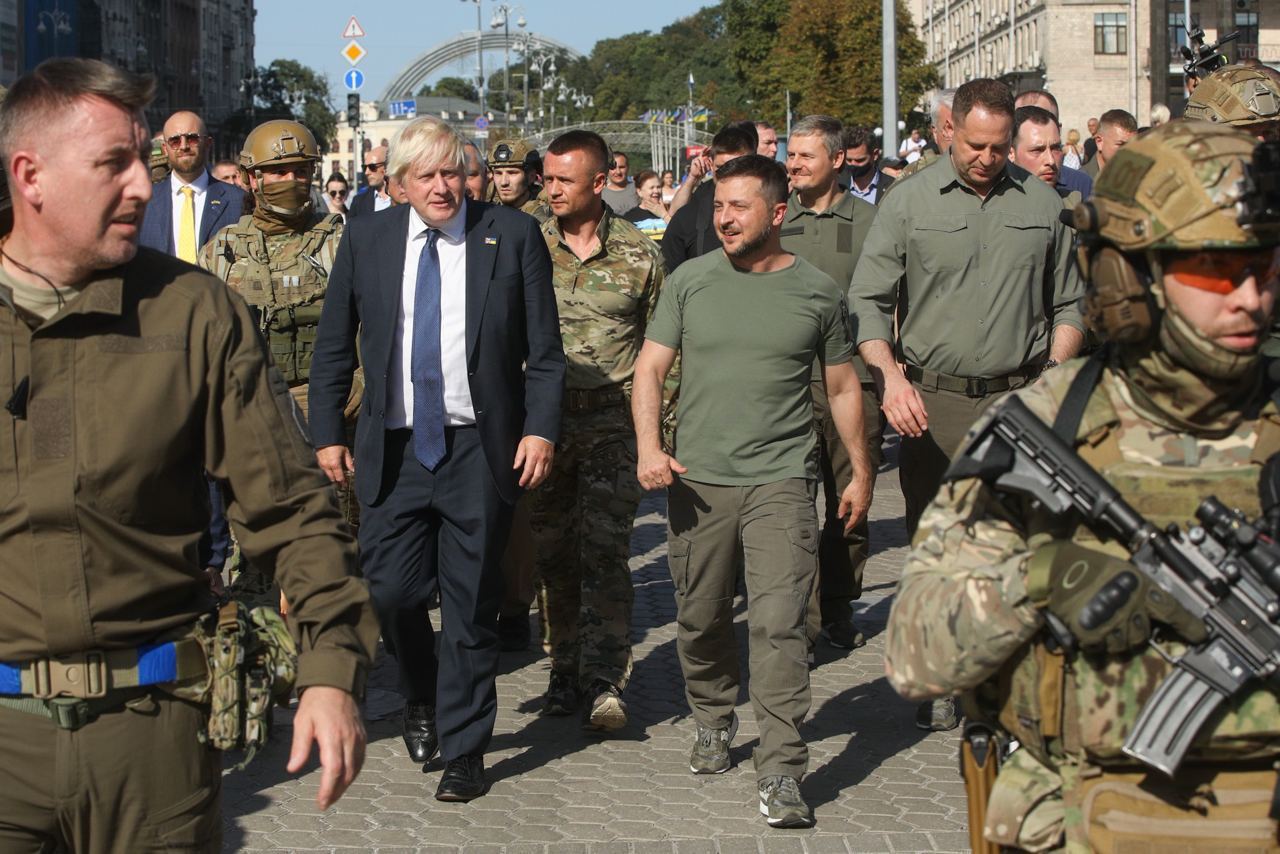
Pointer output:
375, 197
189, 206
1179, 245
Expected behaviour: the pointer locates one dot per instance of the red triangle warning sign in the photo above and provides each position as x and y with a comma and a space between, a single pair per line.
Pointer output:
353, 30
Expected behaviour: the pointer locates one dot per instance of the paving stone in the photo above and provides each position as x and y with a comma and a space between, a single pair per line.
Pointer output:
876, 783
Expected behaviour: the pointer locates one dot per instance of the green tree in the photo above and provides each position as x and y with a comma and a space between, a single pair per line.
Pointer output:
828, 54
752, 26
288, 89
453, 87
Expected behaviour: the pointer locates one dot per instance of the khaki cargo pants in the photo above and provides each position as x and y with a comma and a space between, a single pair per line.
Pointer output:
133, 780
773, 530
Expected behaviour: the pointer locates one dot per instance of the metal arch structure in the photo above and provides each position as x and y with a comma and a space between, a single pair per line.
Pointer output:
406, 84
663, 141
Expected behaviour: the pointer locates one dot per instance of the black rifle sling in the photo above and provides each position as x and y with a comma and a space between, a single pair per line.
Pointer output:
1077, 397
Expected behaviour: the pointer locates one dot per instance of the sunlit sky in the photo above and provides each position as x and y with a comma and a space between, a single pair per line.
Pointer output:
398, 31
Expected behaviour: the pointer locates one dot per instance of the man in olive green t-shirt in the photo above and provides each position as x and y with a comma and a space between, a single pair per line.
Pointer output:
748, 322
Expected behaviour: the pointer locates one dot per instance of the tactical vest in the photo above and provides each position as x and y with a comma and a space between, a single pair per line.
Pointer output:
1073, 716
285, 290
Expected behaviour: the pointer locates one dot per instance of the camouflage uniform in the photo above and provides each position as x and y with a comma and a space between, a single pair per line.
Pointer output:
582, 515
968, 612
927, 158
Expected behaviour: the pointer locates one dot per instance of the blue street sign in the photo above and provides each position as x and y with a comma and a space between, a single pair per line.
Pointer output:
403, 109
354, 79
482, 123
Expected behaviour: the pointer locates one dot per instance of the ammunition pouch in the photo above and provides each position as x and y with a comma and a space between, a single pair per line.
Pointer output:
253, 663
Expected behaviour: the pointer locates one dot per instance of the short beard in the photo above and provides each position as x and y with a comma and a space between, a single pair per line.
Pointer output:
753, 245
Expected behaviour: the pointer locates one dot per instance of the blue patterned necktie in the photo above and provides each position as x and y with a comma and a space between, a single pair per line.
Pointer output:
427, 374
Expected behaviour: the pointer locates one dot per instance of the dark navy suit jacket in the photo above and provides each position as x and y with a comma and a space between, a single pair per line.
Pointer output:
515, 361
223, 204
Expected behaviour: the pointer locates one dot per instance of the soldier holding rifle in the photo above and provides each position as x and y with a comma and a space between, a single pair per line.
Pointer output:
1065, 630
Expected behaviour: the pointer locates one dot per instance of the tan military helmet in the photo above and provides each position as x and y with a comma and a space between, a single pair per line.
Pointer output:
1180, 186
1236, 95
277, 142
513, 152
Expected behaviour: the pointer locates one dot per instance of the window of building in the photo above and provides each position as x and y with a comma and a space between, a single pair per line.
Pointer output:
1111, 32
1178, 33
351, 144
1247, 26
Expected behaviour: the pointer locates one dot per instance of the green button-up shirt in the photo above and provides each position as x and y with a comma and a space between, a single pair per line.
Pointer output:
831, 241
978, 284
604, 301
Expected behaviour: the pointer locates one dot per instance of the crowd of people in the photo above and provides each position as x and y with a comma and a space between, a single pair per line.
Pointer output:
452, 389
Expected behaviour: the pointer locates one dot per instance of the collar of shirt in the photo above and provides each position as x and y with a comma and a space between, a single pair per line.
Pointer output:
948, 178
200, 185
602, 232
841, 207
871, 188
453, 231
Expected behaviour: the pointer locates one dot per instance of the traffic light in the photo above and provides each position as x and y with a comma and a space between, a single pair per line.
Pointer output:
353, 109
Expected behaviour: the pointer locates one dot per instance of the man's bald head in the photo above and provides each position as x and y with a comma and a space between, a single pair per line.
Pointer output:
1038, 98
375, 167
185, 142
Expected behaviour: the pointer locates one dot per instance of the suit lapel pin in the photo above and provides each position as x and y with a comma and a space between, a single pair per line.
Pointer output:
491, 241
215, 201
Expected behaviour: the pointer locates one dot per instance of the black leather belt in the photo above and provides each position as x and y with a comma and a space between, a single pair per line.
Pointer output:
585, 399
971, 386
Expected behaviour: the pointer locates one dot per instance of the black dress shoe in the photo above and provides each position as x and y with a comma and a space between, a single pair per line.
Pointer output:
463, 779
420, 731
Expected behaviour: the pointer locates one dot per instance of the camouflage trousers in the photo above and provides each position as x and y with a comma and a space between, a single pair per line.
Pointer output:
581, 519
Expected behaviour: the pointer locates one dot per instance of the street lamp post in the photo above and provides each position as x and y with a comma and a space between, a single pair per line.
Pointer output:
501, 18
484, 109
59, 20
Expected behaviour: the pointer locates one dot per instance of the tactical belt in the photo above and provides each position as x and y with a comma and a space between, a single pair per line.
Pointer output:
584, 399
75, 688
972, 386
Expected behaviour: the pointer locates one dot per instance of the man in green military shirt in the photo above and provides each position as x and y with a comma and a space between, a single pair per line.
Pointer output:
128, 374
1180, 249
971, 256
607, 277
826, 226
941, 129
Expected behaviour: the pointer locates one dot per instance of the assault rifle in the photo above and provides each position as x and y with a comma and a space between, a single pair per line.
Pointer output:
1223, 570
1204, 59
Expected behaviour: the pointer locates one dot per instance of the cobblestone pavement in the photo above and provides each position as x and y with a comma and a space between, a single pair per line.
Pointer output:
876, 782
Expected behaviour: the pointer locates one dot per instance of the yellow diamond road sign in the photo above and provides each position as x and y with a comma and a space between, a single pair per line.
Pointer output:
354, 52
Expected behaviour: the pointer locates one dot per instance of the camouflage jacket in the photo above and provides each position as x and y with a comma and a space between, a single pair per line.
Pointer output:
283, 277
927, 158
605, 301
962, 620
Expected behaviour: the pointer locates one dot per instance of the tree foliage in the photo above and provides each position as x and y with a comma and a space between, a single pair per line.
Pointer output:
452, 87
287, 89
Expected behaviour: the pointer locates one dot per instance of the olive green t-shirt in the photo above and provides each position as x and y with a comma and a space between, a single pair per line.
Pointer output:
747, 343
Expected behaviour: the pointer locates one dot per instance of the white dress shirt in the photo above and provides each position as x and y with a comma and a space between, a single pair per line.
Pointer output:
380, 202
452, 248
199, 187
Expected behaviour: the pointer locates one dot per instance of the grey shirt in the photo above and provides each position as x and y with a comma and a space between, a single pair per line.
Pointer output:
978, 284
621, 201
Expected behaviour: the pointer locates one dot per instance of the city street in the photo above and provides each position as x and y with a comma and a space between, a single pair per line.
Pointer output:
876, 782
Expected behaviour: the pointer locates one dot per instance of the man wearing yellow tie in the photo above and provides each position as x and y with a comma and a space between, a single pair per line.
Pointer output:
189, 206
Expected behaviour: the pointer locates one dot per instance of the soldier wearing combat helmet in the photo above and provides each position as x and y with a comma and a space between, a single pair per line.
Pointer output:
1245, 98
1181, 260
279, 257
515, 165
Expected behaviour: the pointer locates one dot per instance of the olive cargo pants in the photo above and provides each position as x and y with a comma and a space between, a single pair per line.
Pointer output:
133, 780
841, 557
774, 528
922, 462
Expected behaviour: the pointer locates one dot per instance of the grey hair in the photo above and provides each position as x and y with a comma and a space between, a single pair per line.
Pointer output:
940, 98
826, 127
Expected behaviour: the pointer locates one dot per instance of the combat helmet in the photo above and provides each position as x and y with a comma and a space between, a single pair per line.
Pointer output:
1236, 95
276, 143
514, 152
1186, 185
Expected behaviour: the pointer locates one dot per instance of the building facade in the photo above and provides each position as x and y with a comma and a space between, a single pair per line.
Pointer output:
201, 51
1093, 56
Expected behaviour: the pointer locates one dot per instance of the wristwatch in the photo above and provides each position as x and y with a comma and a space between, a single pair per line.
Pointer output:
1049, 363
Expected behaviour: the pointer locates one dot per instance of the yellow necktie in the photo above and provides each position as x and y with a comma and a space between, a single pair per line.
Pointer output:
187, 227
